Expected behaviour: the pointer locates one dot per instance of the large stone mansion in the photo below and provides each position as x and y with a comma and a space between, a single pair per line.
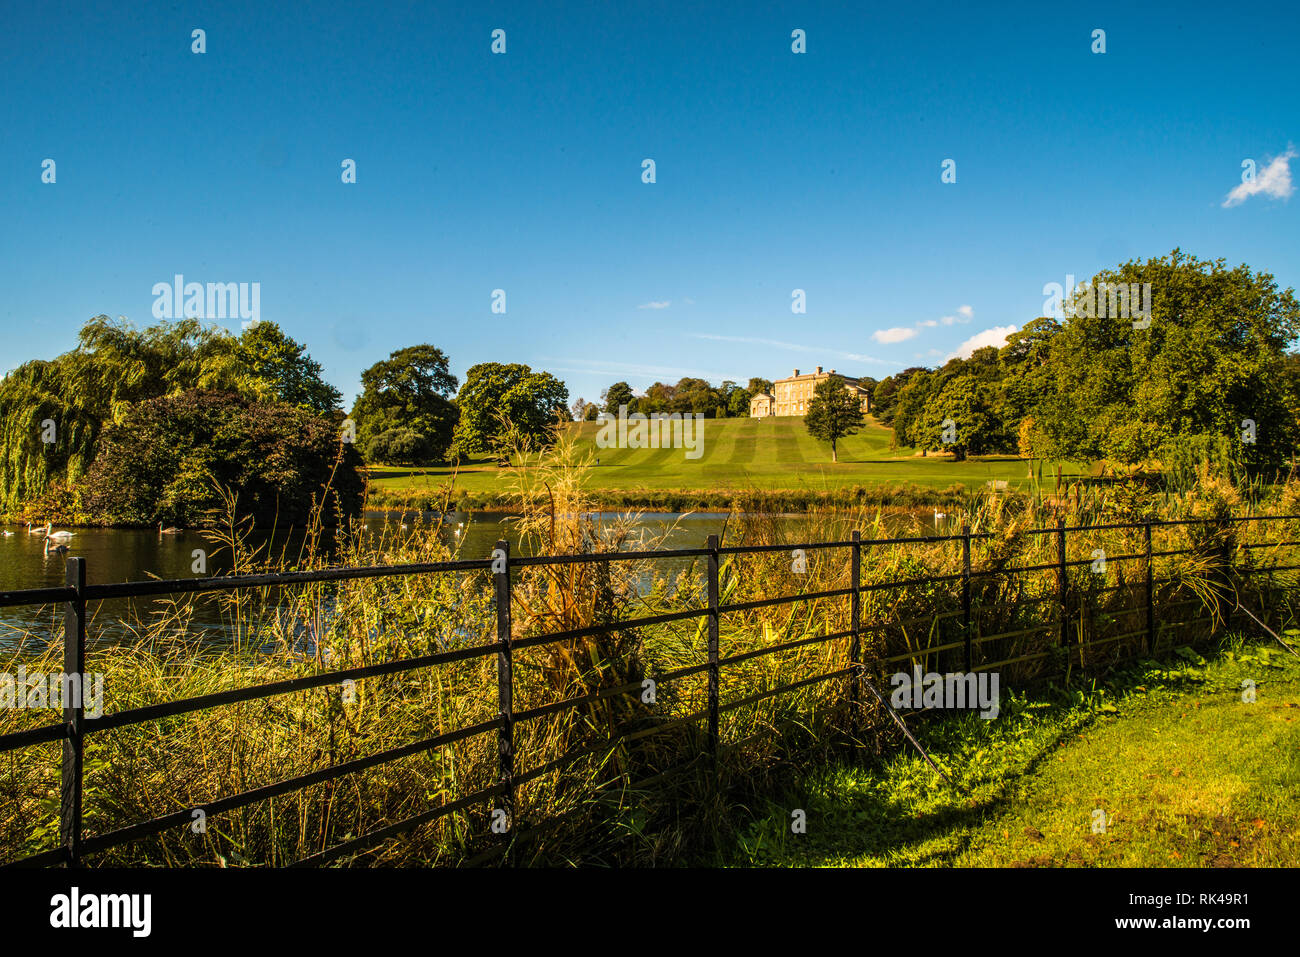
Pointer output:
792, 395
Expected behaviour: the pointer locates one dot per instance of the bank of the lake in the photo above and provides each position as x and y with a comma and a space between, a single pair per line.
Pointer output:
135, 554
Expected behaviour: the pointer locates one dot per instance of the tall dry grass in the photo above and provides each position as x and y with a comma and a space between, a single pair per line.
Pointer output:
624, 774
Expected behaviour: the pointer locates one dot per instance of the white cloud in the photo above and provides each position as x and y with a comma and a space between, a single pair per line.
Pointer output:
966, 311
896, 334
1274, 181
997, 336
656, 305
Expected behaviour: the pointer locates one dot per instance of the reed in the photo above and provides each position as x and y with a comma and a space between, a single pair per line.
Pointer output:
624, 775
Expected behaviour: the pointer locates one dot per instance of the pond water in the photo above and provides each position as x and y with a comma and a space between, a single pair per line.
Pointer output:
118, 555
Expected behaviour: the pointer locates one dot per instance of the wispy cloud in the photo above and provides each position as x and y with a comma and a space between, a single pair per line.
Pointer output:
1274, 181
632, 370
656, 305
790, 347
997, 336
898, 334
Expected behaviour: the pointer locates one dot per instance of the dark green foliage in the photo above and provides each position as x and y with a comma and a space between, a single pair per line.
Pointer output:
833, 413
400, 447
116, 365
1096, 385
284, 370
965, 400
1213, 355
503, 405
168, 457
738, 404
884, 394
410, 391
620, 393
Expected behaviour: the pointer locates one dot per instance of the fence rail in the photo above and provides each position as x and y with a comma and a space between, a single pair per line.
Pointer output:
75, 726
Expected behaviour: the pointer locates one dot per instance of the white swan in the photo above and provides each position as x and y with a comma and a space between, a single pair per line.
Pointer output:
59, 536
34, 530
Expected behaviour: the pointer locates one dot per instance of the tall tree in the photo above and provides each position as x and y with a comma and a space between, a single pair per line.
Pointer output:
1186, 380
503, 404
620, 393
282, 368
168, 456
833, 413
405, 409
52, 413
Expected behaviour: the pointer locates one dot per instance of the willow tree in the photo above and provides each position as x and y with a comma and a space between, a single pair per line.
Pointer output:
47, 431
53, 412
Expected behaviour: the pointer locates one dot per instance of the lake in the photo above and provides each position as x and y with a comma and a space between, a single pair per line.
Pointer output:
118, 555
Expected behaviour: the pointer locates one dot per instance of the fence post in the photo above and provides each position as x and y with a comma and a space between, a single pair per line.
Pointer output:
1062, 581
74, 663
855, 624
713, 650
1151, 605
505, 687
965, 594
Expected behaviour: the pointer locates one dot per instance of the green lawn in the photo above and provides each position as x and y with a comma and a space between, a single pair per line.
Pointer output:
738, 454
1186, 773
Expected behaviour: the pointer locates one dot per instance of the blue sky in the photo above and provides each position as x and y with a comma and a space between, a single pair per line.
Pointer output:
523, 172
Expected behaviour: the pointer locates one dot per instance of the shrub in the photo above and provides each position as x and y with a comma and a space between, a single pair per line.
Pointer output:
168, 457
400, 447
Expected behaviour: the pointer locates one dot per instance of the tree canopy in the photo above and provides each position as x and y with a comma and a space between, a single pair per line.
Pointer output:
404, 415
833, 413
169, 458
52, 413
505, 405
1208, 372
282, 371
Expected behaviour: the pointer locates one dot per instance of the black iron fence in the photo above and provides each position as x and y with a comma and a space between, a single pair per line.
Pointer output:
75, 727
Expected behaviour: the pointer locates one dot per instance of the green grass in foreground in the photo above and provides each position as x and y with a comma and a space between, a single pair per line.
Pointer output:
739, 454
1186, 773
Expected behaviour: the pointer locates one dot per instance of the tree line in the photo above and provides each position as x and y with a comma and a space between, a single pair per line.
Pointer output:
137, 426
688, 396
1212, 373
141, 425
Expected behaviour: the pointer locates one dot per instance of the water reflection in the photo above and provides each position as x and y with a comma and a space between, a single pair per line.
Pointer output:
118, 555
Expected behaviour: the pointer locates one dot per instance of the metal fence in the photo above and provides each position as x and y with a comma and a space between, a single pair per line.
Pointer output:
75, 726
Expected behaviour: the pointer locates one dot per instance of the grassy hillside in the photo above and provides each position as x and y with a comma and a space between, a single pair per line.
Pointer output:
738, 455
